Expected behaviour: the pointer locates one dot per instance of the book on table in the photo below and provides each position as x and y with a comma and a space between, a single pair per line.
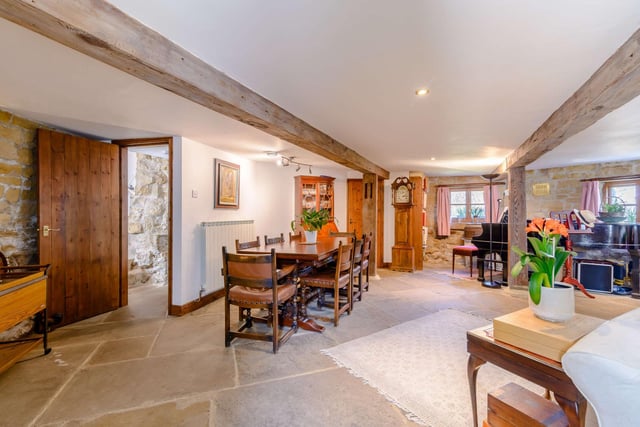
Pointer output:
524, 330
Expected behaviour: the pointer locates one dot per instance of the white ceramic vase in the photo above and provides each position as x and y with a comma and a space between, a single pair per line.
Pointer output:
311, 236
557, 304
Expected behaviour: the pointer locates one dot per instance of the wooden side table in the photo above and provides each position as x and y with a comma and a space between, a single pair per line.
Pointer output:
545, 372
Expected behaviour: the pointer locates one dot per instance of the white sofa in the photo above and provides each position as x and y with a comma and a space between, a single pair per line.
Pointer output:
605, 366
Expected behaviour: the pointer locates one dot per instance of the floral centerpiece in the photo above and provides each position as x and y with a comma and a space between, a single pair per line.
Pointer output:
547, 257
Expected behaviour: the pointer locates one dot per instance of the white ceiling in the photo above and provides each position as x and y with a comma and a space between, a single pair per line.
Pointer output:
496, 70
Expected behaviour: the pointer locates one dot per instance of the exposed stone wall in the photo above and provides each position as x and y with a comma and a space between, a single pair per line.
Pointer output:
565, 188
18, 189
149, 222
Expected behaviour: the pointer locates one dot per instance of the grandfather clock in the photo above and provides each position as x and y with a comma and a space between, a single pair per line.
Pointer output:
402, 255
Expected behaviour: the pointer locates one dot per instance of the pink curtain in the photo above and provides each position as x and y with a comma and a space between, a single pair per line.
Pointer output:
444, 211
590, 196
495, 204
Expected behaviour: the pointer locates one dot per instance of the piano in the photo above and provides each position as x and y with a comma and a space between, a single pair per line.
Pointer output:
611, 241
499, 234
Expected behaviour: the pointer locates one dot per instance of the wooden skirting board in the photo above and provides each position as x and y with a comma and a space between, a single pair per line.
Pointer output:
181, 310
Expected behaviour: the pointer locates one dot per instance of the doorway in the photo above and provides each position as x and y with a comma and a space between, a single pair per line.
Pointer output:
146, 225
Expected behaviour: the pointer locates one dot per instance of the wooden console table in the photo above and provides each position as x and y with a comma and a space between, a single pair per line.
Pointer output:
545, 372
23, 293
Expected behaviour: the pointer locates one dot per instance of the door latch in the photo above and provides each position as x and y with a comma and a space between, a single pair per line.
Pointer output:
46, 230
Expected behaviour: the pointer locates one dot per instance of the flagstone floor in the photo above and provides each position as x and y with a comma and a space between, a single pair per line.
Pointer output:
137, 366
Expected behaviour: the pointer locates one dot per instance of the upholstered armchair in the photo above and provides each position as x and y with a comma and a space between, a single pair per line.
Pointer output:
605, 366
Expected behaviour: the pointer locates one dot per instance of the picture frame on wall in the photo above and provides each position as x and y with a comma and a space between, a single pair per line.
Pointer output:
226, 185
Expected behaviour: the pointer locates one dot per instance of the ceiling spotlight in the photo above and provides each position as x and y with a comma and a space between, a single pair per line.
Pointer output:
298, 168
310, 170
285, 161
422, 91
271, 153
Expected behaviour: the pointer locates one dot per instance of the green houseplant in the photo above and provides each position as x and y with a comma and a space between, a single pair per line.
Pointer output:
311, 222
614, 211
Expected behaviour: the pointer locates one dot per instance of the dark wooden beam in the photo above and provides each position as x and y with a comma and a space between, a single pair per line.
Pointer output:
101, 31
614, 84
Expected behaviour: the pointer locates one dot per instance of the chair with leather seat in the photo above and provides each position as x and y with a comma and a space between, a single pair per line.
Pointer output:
357, 269
335, 279
246, 245
361, 266
254, 282
273, 240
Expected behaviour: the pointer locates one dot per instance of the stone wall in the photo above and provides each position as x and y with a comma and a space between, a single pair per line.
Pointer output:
149, 222
565, 188
18, 189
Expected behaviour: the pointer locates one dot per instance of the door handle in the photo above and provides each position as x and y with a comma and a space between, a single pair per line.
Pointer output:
46, 230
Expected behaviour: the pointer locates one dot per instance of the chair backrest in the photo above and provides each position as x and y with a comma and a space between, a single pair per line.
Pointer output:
344, 261
246, 245
295, 237
366, 250
254, 271
3, 260
342, 234
357, 250
273, 240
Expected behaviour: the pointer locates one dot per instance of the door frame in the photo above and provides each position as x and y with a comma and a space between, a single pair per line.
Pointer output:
124, 145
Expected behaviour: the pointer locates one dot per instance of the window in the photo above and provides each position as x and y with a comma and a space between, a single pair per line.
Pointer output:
626, 192
467, 205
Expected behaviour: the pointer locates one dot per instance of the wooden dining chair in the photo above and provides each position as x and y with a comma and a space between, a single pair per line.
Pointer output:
334, 279
253, 282
357, 269
295, 237
249, 244
273, 240
363, 275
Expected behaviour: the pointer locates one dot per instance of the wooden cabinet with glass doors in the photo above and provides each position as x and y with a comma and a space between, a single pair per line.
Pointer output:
315, 192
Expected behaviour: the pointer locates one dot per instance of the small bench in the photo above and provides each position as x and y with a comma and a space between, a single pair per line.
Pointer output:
465, 250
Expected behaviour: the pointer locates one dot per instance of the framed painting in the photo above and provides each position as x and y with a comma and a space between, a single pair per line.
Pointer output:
226, 185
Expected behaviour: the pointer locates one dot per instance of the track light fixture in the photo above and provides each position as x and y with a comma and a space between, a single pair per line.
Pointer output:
285, 161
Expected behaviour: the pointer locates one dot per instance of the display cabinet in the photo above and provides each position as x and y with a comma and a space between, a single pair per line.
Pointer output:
315, 192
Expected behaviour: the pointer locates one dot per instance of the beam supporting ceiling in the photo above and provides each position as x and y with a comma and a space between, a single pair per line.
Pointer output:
101, 31
614, 84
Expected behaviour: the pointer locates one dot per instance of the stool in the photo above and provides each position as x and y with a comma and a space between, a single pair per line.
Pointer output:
466, 250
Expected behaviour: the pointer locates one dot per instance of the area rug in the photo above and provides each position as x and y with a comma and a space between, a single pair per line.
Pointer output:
421, 366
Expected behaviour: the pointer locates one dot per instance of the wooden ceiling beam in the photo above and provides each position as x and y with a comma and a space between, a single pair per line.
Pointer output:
103, 32
614, 84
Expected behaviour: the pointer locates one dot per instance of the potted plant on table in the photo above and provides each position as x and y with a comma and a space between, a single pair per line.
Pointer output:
311, 222
548, 299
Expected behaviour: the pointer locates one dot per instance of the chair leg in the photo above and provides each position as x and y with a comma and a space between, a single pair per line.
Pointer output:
453, 263
275, 327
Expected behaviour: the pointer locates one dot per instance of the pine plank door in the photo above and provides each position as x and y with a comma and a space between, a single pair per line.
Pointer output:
79, 224
354, 206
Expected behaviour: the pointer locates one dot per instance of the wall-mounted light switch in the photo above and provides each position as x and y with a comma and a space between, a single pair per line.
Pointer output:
194, 194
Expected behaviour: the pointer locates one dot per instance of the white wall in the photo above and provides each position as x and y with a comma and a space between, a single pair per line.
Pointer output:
266, 196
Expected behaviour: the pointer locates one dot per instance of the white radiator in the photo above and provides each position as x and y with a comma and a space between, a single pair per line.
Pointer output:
219, 234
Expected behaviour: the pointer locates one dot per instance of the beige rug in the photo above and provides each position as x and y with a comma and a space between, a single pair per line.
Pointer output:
421, 366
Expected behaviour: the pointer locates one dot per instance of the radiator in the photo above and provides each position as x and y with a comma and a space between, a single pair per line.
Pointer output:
219, 234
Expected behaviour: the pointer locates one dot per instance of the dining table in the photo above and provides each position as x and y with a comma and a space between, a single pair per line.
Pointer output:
302, 254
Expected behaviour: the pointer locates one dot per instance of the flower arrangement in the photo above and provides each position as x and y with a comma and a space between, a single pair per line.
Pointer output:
547, 257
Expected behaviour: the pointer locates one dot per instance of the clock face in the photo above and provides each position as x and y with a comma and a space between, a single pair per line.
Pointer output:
402, 194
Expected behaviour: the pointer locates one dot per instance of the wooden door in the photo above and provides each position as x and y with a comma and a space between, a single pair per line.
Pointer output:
79, 224
354, 206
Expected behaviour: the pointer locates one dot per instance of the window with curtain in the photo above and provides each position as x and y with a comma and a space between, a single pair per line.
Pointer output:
626, 192
467, 205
